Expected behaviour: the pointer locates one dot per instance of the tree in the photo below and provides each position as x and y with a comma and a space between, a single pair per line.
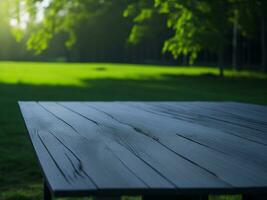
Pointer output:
196, 25
57, 16
192, 26
262, 5
9, 48
234, 51
249, 18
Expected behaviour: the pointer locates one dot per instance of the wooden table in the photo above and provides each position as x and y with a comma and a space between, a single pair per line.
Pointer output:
154, 149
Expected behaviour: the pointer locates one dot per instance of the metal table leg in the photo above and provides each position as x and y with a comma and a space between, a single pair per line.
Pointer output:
47, 192
253, 197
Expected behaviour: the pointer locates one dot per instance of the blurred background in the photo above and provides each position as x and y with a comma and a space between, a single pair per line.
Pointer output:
105, 50
173, 32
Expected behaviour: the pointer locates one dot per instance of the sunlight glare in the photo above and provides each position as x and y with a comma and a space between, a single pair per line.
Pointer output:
23, 19
24, 16
41, 6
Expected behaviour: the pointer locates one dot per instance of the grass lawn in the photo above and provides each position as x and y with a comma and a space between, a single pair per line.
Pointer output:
20, 177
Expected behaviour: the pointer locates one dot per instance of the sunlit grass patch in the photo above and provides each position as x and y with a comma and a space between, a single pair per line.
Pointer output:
77, 74
225, 197
32, 192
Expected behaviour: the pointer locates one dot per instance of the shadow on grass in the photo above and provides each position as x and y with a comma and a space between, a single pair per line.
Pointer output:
171, 87
18, 167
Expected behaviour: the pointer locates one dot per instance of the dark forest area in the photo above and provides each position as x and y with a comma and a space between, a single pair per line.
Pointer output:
228, 33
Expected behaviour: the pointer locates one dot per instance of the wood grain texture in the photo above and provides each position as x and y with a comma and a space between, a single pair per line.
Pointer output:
149, 147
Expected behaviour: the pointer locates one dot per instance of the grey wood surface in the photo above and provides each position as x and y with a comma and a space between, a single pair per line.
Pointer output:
148, 147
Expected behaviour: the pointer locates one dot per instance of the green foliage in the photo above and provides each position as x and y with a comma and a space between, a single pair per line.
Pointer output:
144, 15
59, 16
39, 41
140, 12
185, 38
137, 32
197, 25
193, 25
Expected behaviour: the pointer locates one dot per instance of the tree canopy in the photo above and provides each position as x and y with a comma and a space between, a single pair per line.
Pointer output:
187, 27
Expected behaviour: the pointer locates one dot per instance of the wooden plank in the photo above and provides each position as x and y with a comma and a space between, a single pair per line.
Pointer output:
243, 114
92, 129
232, 145
181, 172
239, 115
220, 116
162, 130
247, 106
81, 162
191, 113
142, 148
235, 146
56, 178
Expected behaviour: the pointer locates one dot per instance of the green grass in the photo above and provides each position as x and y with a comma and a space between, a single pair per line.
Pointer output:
78, 74
20, 177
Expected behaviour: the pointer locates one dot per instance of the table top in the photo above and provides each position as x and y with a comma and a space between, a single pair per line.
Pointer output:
116, 148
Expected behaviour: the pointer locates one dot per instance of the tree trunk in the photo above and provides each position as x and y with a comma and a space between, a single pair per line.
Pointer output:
243, 57
220, 61
184, 60
67, 54
263, 44
234, 51
248, 60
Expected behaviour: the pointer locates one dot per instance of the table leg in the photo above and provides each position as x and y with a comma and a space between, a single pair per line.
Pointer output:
47, 192
253, 197
176, 197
